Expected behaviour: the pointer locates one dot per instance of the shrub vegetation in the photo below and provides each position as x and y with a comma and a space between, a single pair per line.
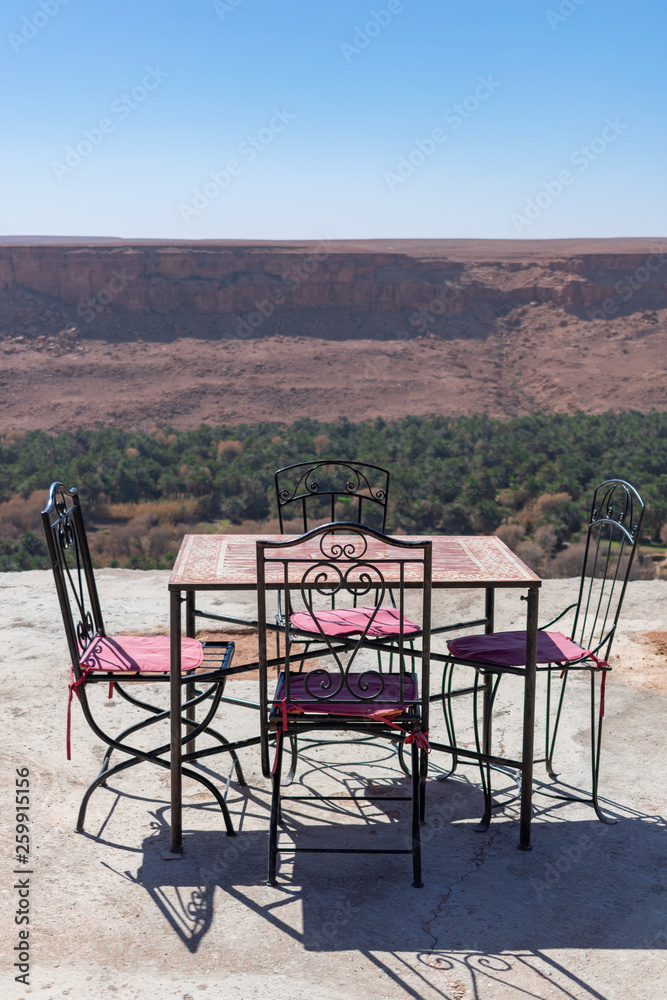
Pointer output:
528, 478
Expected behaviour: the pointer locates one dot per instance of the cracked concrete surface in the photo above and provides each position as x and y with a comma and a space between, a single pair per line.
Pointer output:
582, 915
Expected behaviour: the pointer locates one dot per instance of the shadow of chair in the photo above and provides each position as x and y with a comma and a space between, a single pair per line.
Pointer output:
489, 919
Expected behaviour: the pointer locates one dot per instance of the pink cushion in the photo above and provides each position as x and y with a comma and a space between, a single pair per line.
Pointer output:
148, 653
387, 703
508, 649
353, 621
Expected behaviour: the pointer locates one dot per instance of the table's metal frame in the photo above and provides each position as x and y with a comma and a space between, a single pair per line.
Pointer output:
185, 594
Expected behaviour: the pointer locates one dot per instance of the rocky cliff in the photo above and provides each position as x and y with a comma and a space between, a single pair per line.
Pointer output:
451, 289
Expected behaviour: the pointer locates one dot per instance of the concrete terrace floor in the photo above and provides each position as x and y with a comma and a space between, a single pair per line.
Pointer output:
582, 915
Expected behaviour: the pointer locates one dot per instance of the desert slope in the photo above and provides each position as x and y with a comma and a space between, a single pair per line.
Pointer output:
134, 332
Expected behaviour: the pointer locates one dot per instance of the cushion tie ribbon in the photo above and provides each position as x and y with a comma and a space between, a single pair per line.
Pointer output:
605, 668
73, 688
421, 739
295, 709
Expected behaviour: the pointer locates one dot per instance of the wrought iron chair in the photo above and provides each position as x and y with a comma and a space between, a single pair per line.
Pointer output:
97, 658
311, 490
348, 561
314, 488
613, 532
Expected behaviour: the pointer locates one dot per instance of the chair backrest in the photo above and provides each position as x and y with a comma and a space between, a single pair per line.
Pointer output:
72, 569
357, 565
310, 491
613, 532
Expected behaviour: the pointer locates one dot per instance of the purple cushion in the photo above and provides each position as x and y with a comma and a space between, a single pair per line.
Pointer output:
508, 649
388, 703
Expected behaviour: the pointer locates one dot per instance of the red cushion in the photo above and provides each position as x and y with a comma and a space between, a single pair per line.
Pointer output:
353, 621
386, 703
148, 653
508, 649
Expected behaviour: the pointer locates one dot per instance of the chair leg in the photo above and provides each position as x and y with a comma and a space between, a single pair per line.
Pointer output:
191, 715
217, 795
158, 717
232, 753
483, 746
416, 826
103, 776
240, 777
400, 750
448, 714
294, 759
275, 810
100, 780
423, 772
551, 743
596, 746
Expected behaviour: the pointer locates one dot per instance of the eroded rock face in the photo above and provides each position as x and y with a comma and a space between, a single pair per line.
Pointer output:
341, 290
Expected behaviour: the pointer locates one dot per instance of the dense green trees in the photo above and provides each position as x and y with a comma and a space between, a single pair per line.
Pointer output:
448, 475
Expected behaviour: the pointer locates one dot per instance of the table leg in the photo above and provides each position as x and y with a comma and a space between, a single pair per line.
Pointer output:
489, 612
489, 609
530, 680
175, 720
191, 712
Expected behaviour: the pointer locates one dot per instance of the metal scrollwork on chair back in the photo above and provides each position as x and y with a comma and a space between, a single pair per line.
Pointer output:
344, 586
328, 579
343, 544
297, 484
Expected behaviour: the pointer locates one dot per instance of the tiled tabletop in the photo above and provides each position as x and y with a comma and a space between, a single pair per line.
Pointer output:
228, 562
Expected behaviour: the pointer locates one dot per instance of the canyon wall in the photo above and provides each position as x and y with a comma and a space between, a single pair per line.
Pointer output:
338, 290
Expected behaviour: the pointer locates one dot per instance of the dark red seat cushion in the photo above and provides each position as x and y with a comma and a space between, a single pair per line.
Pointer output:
508, 649
387, 702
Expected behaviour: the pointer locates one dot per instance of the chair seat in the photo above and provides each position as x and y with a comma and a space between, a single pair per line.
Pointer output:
386, 700
508, 649
139, 654
354, 621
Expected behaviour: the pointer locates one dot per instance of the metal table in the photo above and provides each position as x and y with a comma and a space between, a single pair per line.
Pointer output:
228, 562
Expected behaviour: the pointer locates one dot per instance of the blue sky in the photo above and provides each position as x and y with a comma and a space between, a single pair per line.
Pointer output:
294, 119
